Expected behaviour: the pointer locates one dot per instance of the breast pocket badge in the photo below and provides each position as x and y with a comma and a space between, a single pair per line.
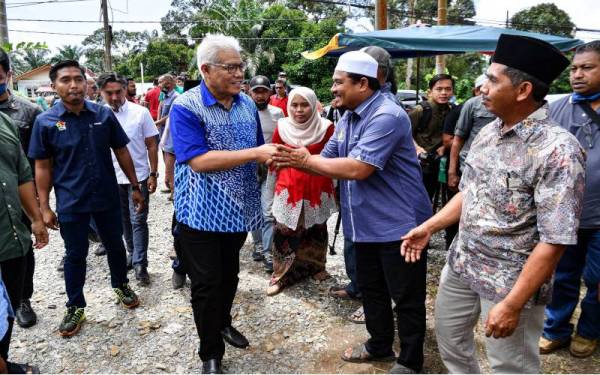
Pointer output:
61, 125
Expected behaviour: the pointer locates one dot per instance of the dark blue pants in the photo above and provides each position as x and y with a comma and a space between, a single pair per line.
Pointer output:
177, 264
135, 224
350, 263
580, 260
74, 231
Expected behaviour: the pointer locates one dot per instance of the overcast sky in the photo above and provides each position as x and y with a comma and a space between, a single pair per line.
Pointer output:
584, 13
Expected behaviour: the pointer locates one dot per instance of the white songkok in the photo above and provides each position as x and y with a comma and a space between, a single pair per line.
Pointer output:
358, 62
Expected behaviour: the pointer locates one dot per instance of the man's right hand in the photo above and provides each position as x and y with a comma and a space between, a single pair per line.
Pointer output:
40, 233
420, 150
414, 242
453, 181
265, 152
49, 217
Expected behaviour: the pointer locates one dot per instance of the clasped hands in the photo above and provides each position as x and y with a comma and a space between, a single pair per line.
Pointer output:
280, 156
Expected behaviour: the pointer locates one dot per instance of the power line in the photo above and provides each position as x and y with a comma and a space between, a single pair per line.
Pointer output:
197, 20
46, 32
22, 4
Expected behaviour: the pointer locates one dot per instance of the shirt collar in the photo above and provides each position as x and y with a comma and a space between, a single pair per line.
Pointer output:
10, 101
123, 108
362, 106
530, 125
208, 98
387, 87
87, 106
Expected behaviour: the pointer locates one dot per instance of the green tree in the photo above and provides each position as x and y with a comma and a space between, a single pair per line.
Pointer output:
161, 56
544, 18
68, 52
28, 59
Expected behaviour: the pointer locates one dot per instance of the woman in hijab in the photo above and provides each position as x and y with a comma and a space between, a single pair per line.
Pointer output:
302, 202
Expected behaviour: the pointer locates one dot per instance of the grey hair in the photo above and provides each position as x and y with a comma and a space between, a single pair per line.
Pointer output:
212, 44
167, 77
539, 88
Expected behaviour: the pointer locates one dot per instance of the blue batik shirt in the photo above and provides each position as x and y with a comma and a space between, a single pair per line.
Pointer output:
219, 201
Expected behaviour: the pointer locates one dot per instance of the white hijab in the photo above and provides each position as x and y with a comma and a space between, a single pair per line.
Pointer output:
303, 134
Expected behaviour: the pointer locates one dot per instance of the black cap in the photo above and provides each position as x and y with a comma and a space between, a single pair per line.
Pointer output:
260, 81
533, 56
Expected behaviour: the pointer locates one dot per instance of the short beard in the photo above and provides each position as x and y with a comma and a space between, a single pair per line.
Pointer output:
262, 106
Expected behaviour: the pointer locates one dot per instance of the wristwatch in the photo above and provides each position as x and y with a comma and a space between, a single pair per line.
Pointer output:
154, 174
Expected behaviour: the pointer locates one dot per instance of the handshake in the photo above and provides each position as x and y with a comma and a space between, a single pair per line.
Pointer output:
280, 156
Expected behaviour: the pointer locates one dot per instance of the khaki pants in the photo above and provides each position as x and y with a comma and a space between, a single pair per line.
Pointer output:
457, 310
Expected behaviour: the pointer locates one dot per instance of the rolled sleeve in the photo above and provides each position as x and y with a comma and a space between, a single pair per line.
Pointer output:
379, 141
558, 195
189, 135
118, 137
38, 145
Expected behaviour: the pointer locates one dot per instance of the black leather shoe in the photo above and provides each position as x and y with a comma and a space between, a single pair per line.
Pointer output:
25, 315
212, 366
177, 280
234, 337
141, 275
100, 250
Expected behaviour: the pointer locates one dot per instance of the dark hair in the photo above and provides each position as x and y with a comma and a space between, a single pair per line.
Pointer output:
280, 81
373, 82
539, 88
4, 60
129, 79
65, 64
391, 78
106, 78
155, 82
593, 46
440, 77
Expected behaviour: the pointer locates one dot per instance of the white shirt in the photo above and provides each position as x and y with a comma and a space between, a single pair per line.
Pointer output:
138, 125
268, 121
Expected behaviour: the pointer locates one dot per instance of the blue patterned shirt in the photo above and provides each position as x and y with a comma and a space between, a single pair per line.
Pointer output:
219, 201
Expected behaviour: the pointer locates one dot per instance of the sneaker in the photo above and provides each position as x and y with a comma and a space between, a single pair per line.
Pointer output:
548, 346
127, 297
177, 280
25, 315
100, 250
582, 347
71, 323
61, 264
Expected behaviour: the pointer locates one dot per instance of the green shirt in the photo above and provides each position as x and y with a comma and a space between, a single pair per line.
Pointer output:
430, 137
15, 237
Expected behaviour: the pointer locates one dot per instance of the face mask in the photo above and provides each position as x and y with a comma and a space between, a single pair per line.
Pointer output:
2, 88
262, 106
165, 91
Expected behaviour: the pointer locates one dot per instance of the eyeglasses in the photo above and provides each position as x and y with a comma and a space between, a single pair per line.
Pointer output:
231, 68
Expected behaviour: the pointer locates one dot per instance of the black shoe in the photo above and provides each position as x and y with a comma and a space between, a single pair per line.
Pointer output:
25, 315
212, 366
257, 257
268, 263
234, 337
94, 237
141, 275
177, 280
129, 262
61, 264
100, 250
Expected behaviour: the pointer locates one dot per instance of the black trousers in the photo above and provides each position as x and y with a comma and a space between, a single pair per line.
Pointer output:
383, 275
30, 266
212, 261
13, 274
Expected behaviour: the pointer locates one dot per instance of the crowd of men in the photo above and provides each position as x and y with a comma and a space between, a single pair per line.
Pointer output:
522, 182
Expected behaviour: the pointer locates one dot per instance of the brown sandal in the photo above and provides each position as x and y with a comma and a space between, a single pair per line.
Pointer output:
360, 354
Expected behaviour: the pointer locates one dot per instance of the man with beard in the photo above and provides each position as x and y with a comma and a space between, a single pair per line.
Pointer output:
260, 89
142, 146
131, 91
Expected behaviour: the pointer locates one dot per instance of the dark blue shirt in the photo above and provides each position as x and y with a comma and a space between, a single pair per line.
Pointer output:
83, 173
393, 199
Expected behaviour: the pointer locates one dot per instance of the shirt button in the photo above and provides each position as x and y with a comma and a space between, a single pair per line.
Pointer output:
9, 206
4, 184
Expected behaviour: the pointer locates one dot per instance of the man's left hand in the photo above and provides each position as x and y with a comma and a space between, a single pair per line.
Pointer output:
151, 184
502, 320
440, 151
38, 228
291, 157
138, 200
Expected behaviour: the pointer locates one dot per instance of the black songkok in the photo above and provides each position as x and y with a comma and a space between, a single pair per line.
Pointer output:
533, 56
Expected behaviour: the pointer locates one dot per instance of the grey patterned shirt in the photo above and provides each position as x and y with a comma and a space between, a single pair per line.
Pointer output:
519, 188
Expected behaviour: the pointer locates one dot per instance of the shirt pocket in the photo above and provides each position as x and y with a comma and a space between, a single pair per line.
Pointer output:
100, 132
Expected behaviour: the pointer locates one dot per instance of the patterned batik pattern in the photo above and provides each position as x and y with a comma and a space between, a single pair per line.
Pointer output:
221, 201
520, 187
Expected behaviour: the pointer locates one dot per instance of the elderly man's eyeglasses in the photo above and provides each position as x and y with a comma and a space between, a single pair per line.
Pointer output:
231, 68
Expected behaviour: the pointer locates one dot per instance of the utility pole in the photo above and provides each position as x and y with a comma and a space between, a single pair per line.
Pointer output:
440, 61
409, 62
381, 15
107, 38
3, 25
507, 18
